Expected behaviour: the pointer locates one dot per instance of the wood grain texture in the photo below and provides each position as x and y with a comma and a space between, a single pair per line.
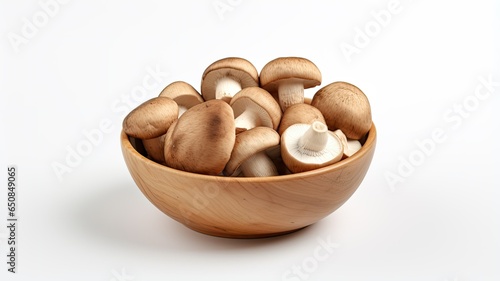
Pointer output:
249, 207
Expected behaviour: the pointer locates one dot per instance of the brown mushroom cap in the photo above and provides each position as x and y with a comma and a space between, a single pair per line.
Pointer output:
249, 143
344, 107
183, 94
239, 69
300, 113
257, 104
202, 139
294, 68
151, 119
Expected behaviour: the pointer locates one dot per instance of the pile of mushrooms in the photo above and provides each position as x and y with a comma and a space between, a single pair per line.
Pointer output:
249, 124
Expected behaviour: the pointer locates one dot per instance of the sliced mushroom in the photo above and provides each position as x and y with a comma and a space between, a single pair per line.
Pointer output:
202, 139
249, 153
151, 119
300, 113
305, 147
289, 76
344, 107
254, 106
350, 146
225, 77
183, 94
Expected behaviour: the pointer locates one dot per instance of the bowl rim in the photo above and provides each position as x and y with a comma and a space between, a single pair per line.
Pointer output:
370, 142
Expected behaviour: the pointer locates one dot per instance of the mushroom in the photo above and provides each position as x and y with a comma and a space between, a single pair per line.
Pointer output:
202, 139
186, 97
350, 146
305, 147
353, 146
300, 113
151, 119
289, 76
254, 106
249, 153
183, 94
344, 107
154, 148
225, 77
274, 153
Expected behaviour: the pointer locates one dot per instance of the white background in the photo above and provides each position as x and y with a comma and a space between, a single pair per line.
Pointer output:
85, 63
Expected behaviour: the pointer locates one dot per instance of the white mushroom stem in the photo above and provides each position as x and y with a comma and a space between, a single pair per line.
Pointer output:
289, 93
259, 165
226, 87
314, 139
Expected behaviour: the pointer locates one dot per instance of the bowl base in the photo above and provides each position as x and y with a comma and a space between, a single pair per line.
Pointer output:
222, 234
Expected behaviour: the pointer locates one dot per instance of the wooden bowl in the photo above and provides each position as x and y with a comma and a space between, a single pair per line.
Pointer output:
239, 207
